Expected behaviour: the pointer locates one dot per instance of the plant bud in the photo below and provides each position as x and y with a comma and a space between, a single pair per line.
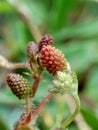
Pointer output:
32, 49
46, 40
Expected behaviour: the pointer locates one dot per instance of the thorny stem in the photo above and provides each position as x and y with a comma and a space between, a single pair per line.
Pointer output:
33, 113
24, 123
42, 104
65, 122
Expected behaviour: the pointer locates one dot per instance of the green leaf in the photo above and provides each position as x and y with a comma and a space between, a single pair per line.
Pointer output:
3, 125
87, 29
60, 12
91, 86
80, 54
5, 8
8, 97
90, 117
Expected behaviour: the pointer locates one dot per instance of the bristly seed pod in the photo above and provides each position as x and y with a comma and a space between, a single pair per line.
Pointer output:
19, 85
46, 40
32, 49
52, 59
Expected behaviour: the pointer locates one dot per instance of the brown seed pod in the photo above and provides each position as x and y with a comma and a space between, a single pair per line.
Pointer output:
19, 85
32, 49
46, 40
52, 59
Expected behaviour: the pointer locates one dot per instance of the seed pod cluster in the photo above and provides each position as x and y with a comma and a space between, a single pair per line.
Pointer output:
45, 55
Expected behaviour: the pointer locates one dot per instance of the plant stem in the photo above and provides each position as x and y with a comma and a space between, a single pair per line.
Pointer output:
60, 114
31, 66
18, 65
42, 104
79, 120
35, 111
28, 105
61, 109
4, 63
35, 84
65, 123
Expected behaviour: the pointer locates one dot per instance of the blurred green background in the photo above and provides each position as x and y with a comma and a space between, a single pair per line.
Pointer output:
74, 26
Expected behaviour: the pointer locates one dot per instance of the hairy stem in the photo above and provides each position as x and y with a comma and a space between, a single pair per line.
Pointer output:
42, 104
35, 111
35, 84
28, 105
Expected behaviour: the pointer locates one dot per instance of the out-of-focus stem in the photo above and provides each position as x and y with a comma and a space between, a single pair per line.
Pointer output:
4, 63
61, 109
22, 10
60, 114
79, 120
66, 122
17, 65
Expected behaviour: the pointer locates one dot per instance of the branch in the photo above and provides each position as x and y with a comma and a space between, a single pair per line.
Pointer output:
4, 63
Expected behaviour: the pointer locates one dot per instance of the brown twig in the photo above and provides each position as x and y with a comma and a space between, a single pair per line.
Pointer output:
18, 65
4, 63
33, 113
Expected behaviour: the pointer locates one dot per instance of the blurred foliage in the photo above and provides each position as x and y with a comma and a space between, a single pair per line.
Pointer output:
74, 26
